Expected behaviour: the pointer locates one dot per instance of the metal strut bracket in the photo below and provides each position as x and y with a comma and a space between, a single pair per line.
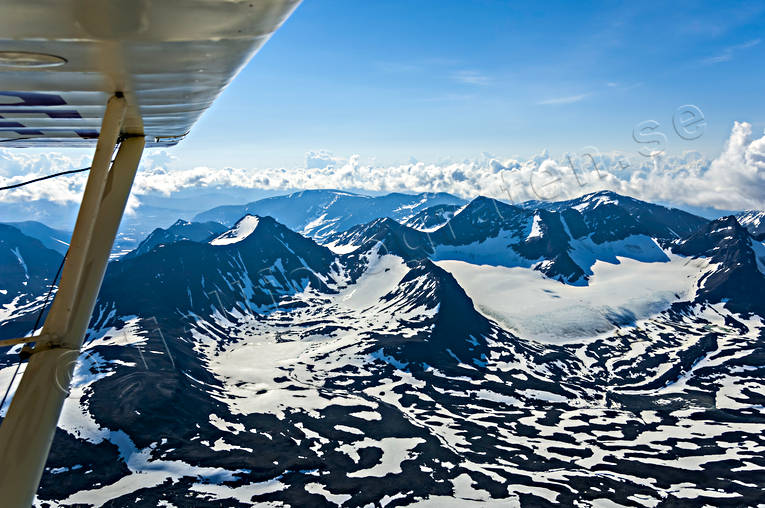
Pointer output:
27, 431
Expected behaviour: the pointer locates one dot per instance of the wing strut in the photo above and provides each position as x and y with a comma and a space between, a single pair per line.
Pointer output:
27, 431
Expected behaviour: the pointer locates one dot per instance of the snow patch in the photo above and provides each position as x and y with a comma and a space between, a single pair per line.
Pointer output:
244, 228
381, 277
395, 451
759, 255
536, 229
539, 308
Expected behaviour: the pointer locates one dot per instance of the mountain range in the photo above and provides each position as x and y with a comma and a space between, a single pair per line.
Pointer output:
319, 213
327, 348
314, 213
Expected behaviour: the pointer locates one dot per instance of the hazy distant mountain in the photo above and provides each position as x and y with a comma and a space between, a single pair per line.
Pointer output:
54, 239
55, 215
320, 213
180, 230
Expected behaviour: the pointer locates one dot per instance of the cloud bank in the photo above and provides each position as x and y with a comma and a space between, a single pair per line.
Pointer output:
732, 181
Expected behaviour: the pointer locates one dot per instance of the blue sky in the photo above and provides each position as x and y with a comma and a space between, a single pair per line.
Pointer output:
445, 79
381, 85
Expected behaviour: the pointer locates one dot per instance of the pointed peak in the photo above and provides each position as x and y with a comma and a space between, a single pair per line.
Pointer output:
483, 200
385, 221
594, 200
726, 222
726, 219
602, 195
494, 206
606, 192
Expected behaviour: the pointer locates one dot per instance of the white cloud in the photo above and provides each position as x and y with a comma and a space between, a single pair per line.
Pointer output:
565, 100
733, 180
728, 53
17, 166
471, 77
321, 159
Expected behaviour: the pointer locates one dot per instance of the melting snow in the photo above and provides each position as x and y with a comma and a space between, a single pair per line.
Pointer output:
21, 261
382, 277
395, 451
244, 228
536, 230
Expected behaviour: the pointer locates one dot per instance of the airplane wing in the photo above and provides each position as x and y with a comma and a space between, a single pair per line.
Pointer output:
61, 60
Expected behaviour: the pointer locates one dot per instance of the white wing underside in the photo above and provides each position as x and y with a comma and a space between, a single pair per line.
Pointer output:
171, 59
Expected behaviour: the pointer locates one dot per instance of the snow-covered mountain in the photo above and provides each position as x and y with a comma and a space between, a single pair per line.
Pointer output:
249, 266
607, 215
54, 239
587, 353
180, 230
754, 222
385, 233
433, 217
562, 240
737, 265
27, 269
320, 213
